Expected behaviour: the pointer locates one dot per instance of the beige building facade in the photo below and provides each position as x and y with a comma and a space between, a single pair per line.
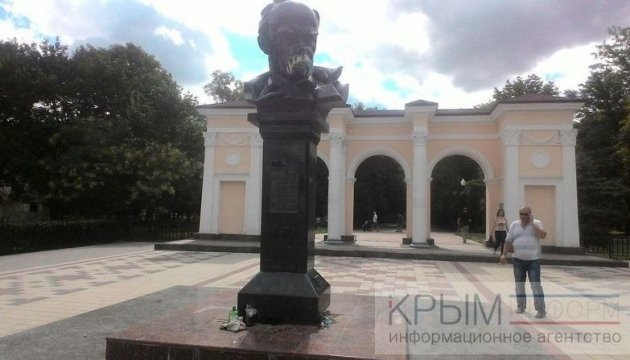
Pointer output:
524, 146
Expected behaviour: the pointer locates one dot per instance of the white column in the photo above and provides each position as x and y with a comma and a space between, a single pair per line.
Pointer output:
349, 207
254, 186
420, 188
570, 236
336, 188
409, 208
206, 223
428, 211
511, 189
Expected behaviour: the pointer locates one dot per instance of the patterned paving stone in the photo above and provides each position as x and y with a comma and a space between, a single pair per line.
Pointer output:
55, 290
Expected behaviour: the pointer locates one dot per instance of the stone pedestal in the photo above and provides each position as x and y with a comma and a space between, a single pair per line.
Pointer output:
288, 289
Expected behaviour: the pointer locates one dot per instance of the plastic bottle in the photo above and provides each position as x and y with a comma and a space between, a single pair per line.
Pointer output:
233, 314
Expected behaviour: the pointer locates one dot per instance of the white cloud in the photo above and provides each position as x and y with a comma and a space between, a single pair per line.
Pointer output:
64, 18
568, 67
9, 31
209, 16
221, 57
440, 89
430, 50
170, 34
410, 30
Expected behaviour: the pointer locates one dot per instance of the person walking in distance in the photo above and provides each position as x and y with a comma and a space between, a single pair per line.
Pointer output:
500, 231
374, 222
525, 235
463, 222
400, 220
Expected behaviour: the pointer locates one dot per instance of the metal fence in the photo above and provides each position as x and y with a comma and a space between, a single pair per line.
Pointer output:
619, 248
18, 239
616, 248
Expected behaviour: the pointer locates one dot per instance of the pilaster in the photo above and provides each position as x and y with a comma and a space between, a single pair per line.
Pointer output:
349, 210
207, 220
511, 184
254, 185
336, 187
420, 230
569, 217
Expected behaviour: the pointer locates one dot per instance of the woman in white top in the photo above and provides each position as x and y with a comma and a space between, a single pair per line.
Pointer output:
500, 230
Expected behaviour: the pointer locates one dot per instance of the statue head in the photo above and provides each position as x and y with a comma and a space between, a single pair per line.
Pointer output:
287, 33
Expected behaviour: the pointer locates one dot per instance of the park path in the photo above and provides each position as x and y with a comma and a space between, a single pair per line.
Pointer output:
41, 288
390, 239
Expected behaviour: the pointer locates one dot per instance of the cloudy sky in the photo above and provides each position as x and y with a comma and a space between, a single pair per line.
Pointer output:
453, 52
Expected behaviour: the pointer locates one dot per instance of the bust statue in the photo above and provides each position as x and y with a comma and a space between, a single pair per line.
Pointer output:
287, 33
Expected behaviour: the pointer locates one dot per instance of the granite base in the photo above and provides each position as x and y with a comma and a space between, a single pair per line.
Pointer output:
192, 332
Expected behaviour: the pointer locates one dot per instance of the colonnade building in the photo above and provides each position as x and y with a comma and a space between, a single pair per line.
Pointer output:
525, 147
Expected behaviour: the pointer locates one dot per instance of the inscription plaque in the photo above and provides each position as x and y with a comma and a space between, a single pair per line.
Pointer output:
283, 190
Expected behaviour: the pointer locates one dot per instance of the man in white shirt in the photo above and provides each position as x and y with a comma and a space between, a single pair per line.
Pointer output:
525, 236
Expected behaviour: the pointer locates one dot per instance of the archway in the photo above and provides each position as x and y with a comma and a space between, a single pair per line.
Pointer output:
528, 143
379, 187
457, 182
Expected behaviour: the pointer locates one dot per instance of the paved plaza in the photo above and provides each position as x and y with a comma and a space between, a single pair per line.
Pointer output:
41, 288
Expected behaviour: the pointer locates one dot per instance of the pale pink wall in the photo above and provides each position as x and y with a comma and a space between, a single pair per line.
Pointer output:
535, 117
460, 128
542, 200
478, 137
491, 150
232, 159
528, 165
232, 205
226, 122
355, 149
378, 130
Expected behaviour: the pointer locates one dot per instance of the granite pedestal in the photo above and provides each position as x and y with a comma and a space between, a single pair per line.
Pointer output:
287, 289
192, 332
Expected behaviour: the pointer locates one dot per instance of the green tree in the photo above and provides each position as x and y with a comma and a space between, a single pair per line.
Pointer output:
449, 197
380, 187
360, 106
104, 132
321, 190
533, 84
135, 143
224, 87
33, 104
614, 69
603, 140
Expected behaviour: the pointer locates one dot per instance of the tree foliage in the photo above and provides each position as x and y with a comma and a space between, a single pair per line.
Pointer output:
224, 87
533, 84
380, 187
103, 132
449, 196
321, 190
613, 71
603, 140
33, 105
360, 106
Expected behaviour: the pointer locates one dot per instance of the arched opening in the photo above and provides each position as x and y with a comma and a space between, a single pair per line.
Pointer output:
457, 182
321, 196
380, 187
